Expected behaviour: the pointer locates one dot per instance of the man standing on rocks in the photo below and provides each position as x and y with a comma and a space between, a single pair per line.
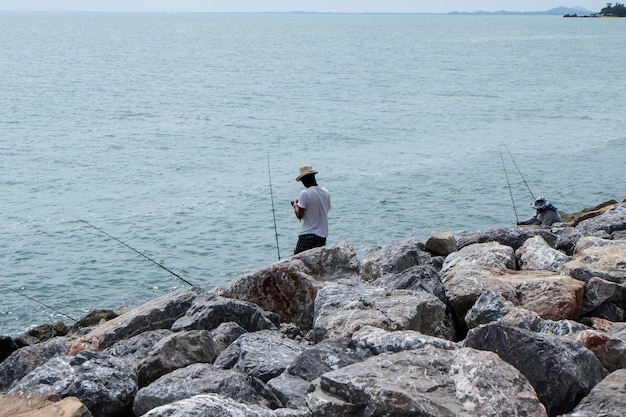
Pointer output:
311, 207
546, 213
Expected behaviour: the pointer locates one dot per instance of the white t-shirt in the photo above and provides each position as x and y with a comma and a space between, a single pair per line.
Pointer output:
315, 201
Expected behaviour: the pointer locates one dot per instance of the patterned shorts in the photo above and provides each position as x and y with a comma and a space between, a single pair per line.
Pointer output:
310, 241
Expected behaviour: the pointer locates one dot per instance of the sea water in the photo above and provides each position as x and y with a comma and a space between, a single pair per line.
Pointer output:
181, 136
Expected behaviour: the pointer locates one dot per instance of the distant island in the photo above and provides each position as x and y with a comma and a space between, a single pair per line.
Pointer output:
558, 11
618, 10
609, 11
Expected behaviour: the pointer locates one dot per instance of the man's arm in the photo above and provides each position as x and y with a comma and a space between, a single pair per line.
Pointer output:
299, 211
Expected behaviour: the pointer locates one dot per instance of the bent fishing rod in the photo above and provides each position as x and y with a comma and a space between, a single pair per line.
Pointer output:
136, 251
518, 170
506, 174
269, 174
39, 302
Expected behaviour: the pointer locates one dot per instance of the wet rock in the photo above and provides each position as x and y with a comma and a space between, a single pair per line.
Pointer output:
263, 354
105, 384
561, 371
159, 313
426, 381
93, 319
43, 333
176, 351
608, 398
536, 254
285, 288
199, 379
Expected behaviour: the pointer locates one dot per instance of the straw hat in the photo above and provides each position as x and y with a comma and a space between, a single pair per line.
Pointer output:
305, 170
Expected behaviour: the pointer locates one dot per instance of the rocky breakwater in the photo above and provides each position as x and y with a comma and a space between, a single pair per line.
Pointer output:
521, 321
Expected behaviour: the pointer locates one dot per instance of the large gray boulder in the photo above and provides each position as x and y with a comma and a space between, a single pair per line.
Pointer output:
204, 405
209, 310
612, 220
326, 356
490, 254
105, 384
379, 341
292, 386
550, 295
176, 351
159, 313
418, 277
203, 378
134, 350
341, 308
263, 355
600, 294
331, 262
428, 381
606, 399
394, 259
513, 236
561, 371
27, 358
536, 254
604, 261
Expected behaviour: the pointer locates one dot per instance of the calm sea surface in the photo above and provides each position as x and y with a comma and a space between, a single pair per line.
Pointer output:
158, 129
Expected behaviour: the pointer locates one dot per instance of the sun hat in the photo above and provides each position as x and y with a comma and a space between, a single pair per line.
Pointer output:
304, 171
540, 203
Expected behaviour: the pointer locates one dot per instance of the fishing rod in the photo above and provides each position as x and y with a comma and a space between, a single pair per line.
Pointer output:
506, 174
40, 303
269, 174
518, 170
135, 250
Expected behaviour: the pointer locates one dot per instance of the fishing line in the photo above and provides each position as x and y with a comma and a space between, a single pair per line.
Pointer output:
269, 174
40, 303
506, 174
135, 250
518, 170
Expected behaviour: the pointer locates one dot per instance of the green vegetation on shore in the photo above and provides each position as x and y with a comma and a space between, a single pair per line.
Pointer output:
619, 10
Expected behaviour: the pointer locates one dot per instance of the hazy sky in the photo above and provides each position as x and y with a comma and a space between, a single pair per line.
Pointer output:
417, 6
